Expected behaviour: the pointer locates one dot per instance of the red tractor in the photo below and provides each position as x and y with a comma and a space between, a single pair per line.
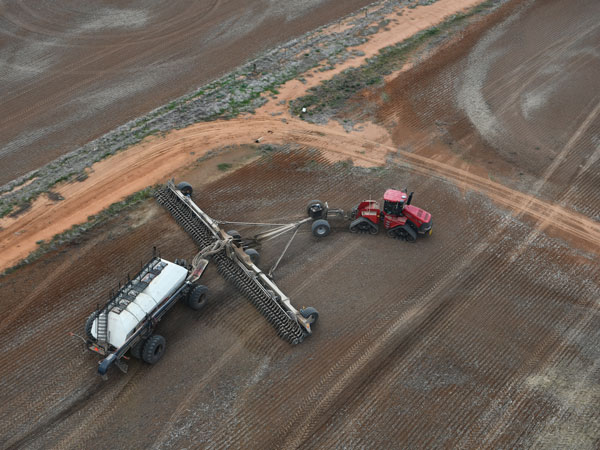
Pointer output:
401, 219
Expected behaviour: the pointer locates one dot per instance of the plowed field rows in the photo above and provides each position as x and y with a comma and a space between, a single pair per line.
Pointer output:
72, 71
458, 322
484, 334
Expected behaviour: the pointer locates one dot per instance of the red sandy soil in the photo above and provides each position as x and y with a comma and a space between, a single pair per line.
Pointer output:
482, 335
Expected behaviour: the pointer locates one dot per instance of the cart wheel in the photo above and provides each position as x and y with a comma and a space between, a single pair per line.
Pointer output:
185, 188
89, 323
315, 209
310, 313
235, 235
197, 297
321, 228
136, 350
253, 254
154, 348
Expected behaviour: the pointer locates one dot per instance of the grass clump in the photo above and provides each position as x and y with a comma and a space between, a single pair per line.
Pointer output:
224, 167
330, 96
6, 210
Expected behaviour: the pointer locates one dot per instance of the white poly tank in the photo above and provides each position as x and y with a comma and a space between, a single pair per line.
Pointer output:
122, 322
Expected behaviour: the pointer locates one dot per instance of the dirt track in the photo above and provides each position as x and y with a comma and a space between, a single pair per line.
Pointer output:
484, 334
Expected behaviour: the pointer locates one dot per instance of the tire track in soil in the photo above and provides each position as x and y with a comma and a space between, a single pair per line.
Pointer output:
94, 58
53, 347
424, 309
517, 398
376, 397
435, 321
478, 278
497, 86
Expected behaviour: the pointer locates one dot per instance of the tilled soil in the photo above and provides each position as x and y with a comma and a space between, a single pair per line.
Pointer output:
430, 343
483, 334
73, 71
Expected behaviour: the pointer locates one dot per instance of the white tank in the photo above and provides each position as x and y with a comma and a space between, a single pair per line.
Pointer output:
124, 318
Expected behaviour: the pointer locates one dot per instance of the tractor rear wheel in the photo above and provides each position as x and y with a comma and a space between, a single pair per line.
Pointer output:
197, 297
362, 225
185, 188
154, 348
321, 228
89, 323
315, 209
253, 254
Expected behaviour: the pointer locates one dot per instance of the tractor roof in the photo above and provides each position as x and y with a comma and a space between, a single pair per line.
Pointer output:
392, 195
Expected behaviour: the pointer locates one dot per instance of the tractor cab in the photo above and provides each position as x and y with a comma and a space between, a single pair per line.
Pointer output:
393, 202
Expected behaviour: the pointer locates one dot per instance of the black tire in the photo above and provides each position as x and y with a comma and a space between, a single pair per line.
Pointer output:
185, 188
311, 314
136, 350
404, 233
320, 228
411, 235
412, 226
154, 348
315, 209
362, 225
89, 323
253, 254
235, 235
197, 297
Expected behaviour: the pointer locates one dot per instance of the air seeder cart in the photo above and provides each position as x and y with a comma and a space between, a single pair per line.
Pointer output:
127, 321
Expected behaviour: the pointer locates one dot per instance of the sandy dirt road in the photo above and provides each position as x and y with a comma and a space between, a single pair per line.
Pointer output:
73, 71
484, 334
157, 158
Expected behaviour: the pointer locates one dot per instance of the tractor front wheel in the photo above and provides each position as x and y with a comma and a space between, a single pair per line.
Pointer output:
321, 228
404, 233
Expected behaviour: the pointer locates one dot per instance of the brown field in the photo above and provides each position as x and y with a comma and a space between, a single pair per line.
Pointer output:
484, 334
72, 71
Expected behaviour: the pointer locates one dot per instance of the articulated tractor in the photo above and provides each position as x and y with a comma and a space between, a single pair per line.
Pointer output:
401, 219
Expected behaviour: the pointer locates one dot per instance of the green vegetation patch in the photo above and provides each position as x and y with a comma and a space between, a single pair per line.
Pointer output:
332, 95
